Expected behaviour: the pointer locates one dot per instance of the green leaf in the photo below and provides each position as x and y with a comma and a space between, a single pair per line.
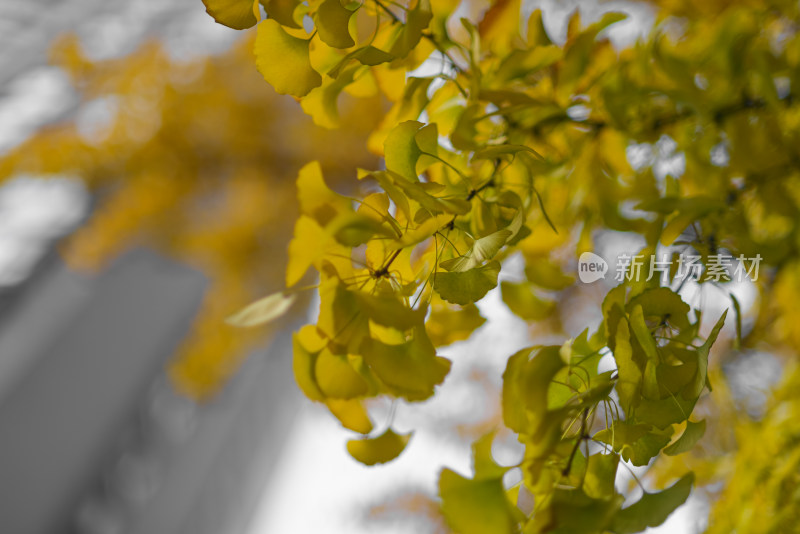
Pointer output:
575, 512
353, 229
662, 305
262, 311
332, 21
446, 326
379, 450
236, 14
388, 310
601, 471
410, 369
514, 412
401, 149
483, 463
547, 275
701, 377
629, 381
526, 381
653, 508
482, 249
637, 443
284, 61
494, 152
737, 308
409, 34
467, 286
692, 434
476, 506
520, 299
643, 335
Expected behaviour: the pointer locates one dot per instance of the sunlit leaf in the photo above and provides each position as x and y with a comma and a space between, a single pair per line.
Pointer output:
283, 60
332, 20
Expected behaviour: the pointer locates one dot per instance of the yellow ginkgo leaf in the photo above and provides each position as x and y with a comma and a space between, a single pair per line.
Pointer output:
262, 311
351, 413
332, 20
284, 61
384, 448
236, 14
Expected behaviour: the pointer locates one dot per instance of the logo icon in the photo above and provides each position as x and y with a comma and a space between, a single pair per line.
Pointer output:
591, 267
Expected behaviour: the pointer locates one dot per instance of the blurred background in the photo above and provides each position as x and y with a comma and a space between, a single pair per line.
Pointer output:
147, 192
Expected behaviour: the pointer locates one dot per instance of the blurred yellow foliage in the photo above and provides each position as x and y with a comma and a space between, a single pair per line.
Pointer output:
198, 160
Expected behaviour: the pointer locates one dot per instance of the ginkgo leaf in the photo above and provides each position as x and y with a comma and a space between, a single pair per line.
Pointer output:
629, 381
643, 335
653, 508
663, 305
408, 35
236, 14
316, 199
284, 61
379, 450
446, 326
547, 274
322, 103
353, 229
336, 378
520, 299
691, 435
526, 382
402, 151
262, 311
301, 256
637, 443
420, 193
494, 152
465, 287
341, 318
476, 506
304, 361
701, 378
332, 20
601, 471
484, 465
482, 249
282, 11
390, 311
411, 369
573, 511
351, 413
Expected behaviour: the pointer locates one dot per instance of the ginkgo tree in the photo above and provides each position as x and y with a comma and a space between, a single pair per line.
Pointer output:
519, 145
